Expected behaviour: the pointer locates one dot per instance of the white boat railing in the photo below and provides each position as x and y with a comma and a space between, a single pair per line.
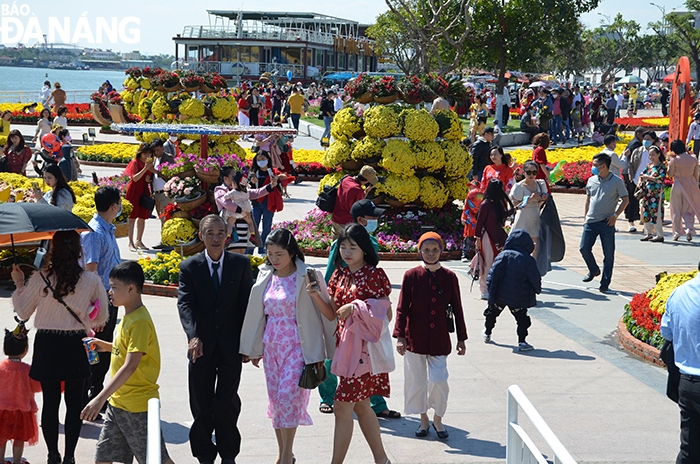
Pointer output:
520, 449
30, 96
153, 438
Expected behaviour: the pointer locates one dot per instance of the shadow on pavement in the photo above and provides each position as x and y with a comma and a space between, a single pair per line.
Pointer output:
574, 294
542, 353
174, 433
457, 443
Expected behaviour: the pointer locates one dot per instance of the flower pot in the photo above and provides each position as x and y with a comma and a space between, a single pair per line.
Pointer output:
122, 229
196, 222
352, 165
181, 214
117, 113
394, 203
191, 248
206, 89
190, 89
386, 100
410, 101
160, 88
364, 98
181, 175
359, 134
188, 204
174, 88
97, 115
211, 177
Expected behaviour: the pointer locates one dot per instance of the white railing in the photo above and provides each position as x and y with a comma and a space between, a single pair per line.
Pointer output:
29, 96
153, 439
519, 447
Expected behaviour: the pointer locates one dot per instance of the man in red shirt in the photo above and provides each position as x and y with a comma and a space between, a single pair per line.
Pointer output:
350, 191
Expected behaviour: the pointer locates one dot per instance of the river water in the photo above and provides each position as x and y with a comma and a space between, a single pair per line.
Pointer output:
28, 82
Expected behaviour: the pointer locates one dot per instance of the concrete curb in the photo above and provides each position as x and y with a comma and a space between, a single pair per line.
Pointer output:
637, 347
169, 291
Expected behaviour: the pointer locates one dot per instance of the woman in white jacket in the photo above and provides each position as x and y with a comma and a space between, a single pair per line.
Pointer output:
285, 328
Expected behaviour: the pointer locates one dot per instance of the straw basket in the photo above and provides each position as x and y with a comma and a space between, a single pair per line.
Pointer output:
187, 204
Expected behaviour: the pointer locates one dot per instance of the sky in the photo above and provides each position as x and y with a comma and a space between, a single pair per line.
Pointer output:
149, 26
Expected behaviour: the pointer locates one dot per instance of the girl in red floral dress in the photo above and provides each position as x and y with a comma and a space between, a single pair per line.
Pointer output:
360, 280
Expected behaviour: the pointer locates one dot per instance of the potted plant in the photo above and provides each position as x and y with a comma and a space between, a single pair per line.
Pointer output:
208, 169
185, 192
384, 90
166, 81
213, 82
190, 81
359, 88
134, 72
413, 90
437, 84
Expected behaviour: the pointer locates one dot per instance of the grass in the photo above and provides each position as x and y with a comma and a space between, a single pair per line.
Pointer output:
513, 125
313, 120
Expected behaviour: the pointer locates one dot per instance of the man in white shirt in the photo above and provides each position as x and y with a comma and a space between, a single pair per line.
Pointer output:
45, 93
620, 102
694, 134
617, 165
337, 103
576, 96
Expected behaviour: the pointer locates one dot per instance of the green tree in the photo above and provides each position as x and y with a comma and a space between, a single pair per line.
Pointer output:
390, 37
436, 30
655, 53
679, 31
564, 60
612, 47
512, 34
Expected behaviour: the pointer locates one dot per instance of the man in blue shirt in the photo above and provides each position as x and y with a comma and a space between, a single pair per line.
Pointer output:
679, 325
101, 254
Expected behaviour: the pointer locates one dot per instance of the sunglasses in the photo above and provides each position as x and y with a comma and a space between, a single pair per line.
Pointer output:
531, 173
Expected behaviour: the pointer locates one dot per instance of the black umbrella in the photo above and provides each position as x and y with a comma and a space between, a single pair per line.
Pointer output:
33, 222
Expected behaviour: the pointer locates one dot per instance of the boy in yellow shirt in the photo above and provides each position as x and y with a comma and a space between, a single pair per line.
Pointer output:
296, 106
134, 372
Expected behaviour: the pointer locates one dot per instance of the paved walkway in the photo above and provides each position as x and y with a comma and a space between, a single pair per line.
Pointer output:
604, 405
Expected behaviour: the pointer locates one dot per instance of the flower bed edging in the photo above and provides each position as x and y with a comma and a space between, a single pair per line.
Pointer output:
562, 189
103, 164
160, 290
384, 256
637, 347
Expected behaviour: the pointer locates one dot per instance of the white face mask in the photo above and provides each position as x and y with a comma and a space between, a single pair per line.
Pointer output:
173, 138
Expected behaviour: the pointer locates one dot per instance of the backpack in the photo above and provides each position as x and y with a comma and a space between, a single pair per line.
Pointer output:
326, 199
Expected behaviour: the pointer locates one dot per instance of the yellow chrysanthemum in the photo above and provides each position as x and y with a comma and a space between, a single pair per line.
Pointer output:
419, 125
345, 124
381, 122
449, 124
457, 188
339, 152
429, 155
368, 147
177, 230
399, 159
433, 193
458, 161
331, 179
192, 108
405, 190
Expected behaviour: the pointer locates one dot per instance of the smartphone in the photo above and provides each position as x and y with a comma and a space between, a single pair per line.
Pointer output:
35, 185
311, 275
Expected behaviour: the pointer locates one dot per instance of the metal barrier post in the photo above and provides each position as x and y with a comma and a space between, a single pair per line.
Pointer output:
153, 439
512, 438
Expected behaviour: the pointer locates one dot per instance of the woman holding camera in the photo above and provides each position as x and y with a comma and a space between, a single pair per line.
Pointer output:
430, 307
284, 327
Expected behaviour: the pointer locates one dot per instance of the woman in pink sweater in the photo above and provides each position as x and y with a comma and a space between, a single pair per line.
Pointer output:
59, 355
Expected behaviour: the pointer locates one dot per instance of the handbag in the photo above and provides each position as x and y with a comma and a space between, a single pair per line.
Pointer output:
147, 202
448, 308
313, 375
255, 148
640, 192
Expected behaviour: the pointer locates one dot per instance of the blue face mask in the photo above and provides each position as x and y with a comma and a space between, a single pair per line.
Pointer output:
372, 225
647, 143
120, 210
595, 171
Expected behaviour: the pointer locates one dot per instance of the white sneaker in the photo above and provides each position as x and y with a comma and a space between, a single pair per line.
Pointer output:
485, 296
486, 337
525, 346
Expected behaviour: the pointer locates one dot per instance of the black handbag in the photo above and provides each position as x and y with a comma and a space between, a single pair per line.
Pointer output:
448, 308
313, 375
147, 202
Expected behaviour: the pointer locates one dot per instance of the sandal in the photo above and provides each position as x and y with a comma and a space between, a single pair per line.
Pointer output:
141, 246
132, 247
389, 414
326, 408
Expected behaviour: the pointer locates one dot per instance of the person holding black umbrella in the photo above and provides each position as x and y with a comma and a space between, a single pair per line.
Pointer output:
65, 298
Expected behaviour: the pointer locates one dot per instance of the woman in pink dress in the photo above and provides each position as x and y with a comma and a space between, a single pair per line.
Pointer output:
283, 327
685, 194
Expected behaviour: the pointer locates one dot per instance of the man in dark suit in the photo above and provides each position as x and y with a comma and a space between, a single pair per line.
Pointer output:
212, 299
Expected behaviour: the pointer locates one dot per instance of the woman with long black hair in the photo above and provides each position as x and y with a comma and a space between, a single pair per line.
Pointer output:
59, 355
60, 195
489, 232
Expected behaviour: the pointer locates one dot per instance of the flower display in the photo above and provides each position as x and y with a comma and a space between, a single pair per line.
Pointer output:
429, 156
457, 188
382, 121
164, 269
203, 210
165, 79
368, 147
436, 83
458, 161
177, 231
186, 188
331, 179
399, 159
145, 108
419, 125
192, 108
384, 86
134, 73
339, 152
108, 152
190, 80
644, 312
224, 109
413, 90
345, 124
403, 189
433, 193
450, 127
160, 108
359, 86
